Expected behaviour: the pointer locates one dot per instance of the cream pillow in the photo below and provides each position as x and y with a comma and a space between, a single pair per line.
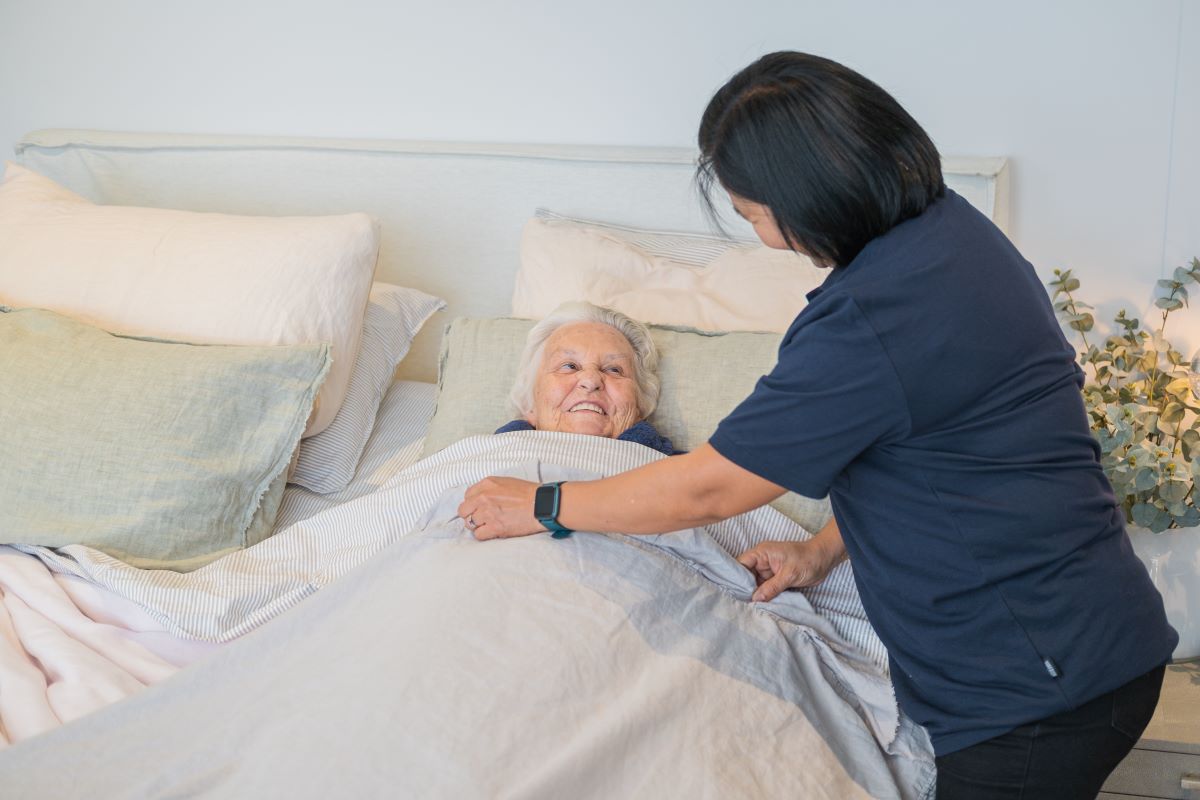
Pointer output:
703, 282
197, 277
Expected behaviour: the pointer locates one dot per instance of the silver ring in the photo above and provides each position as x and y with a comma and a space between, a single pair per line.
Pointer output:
471, 522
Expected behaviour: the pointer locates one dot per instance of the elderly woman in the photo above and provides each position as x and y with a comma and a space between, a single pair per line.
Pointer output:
589, 370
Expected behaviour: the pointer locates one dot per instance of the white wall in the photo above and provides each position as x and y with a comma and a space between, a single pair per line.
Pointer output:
1096, 102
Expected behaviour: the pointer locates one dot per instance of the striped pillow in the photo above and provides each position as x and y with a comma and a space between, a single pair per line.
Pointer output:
326, 462
694, 249
699, 281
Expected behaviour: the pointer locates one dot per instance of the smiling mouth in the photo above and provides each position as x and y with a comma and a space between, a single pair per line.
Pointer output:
591, 407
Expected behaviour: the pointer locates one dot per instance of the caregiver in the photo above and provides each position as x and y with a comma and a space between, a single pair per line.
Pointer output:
929, 391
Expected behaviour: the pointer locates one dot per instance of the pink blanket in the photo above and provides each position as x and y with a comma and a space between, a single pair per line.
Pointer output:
68, 647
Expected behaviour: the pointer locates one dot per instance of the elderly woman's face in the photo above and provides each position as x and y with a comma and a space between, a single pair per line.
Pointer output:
586, 382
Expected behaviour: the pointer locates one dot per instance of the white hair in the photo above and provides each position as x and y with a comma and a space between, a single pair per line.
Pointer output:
645, 362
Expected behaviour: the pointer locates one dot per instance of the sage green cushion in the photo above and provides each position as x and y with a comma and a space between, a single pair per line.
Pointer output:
704, 376
162, 454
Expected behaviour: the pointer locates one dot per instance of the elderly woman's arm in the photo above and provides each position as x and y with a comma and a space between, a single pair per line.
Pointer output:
683, 491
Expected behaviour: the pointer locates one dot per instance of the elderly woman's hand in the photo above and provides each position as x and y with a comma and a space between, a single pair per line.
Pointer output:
500, 508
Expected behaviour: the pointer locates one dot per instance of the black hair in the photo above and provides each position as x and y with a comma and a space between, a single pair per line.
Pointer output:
833, 156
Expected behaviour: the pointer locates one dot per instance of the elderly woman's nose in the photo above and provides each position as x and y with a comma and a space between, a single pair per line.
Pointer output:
591, 378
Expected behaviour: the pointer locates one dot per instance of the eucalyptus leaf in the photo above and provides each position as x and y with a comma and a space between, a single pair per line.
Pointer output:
1173, 412
1145, 480
1143, 514
1173, 491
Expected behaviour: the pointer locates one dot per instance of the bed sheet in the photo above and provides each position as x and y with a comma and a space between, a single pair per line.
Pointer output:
69, 646
595, 666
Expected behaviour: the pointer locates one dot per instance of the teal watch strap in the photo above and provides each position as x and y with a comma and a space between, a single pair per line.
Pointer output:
546, 504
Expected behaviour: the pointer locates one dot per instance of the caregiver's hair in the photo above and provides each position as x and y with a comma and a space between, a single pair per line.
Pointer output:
831, 154
645, 362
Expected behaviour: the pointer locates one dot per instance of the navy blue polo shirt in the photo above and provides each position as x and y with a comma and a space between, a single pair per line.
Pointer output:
928, 390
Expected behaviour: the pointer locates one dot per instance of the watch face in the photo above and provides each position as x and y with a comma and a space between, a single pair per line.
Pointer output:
543, 502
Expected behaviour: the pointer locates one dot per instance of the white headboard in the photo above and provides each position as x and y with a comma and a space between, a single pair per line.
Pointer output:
451, 213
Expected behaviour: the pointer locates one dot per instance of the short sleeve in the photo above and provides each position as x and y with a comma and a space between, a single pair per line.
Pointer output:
832, 395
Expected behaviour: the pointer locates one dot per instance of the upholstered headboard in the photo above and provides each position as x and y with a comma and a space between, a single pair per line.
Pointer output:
451, 213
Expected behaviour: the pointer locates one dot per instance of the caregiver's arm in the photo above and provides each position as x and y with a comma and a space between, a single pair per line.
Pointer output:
786, 565
683, 491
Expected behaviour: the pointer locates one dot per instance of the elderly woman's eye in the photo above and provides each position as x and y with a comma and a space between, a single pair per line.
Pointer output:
569, 366
615, 370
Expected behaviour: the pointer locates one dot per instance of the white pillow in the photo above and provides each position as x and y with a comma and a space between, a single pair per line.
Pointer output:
204, 278
326, 462
704, 282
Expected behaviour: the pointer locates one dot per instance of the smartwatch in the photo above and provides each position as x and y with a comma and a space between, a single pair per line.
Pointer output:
546, 503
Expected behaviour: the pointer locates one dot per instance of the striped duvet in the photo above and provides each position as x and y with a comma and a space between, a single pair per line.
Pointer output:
241, 591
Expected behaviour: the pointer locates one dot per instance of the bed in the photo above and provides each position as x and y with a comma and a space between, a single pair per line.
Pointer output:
365, 644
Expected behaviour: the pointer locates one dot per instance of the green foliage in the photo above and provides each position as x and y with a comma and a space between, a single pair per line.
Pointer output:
1143, 400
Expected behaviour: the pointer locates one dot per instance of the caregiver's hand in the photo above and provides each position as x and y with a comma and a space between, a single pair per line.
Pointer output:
787, 565
500, 508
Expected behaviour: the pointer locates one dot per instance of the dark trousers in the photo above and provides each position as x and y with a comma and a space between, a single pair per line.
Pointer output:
1062, 757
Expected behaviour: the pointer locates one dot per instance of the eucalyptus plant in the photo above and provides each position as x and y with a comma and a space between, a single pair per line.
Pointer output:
1143, 399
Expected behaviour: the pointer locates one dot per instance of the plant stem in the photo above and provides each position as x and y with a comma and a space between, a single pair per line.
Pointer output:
1087, 346
1162, 336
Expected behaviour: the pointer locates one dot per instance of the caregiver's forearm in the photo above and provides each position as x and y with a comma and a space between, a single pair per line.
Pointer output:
829, 539
683, 491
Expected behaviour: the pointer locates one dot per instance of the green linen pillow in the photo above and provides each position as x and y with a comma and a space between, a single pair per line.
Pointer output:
165, 455
704, 376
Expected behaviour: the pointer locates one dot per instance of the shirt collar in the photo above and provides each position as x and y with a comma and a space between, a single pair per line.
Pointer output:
837, 274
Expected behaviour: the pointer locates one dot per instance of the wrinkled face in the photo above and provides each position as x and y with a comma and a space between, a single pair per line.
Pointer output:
585, 383
763, 221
